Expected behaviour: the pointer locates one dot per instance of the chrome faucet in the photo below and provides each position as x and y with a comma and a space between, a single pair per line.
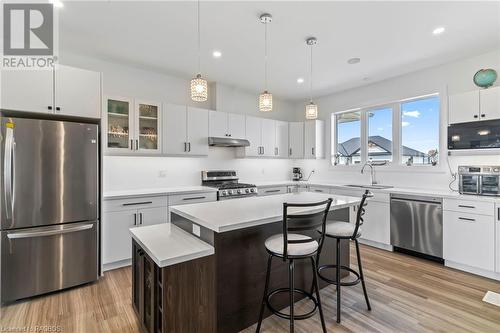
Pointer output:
372, 172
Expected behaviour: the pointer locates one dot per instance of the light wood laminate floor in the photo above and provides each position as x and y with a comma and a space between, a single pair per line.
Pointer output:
407, 295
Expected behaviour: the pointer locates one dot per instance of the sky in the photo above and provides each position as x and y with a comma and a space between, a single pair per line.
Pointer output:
420, 124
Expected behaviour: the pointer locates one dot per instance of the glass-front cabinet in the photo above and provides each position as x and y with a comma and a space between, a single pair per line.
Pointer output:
132, 127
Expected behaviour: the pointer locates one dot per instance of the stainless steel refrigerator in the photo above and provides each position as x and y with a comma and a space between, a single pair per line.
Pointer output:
49, 205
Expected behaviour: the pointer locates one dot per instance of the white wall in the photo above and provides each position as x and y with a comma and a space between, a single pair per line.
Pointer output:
445, 79
145, 172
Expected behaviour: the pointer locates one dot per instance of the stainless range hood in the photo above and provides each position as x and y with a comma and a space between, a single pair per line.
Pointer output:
227, 142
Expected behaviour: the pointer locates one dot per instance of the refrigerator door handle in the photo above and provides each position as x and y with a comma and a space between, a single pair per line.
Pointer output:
8, 168
31, 234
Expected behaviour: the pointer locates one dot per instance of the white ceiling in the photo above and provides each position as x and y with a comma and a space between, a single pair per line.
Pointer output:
391, 38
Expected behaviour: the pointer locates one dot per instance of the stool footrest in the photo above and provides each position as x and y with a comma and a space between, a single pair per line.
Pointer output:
285, 315
345, 268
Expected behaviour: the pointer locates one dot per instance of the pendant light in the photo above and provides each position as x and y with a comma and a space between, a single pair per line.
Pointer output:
199, 86
266, 98
311, 108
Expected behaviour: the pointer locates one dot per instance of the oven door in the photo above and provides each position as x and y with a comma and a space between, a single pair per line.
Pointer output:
490, 185
469, 184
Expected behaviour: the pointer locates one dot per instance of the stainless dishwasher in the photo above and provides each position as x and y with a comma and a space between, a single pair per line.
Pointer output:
417, 224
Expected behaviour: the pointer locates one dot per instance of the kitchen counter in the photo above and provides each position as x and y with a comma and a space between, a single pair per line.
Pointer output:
168, 245
222, 216
120, 194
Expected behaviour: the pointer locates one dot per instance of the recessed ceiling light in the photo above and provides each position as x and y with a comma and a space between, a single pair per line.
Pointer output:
57, 3
438, 31
300, 80
217, 54
353, 61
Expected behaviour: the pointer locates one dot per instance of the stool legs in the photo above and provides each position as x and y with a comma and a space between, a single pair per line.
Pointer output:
292, 288
316, 286
361, 275
263, 305
338, 280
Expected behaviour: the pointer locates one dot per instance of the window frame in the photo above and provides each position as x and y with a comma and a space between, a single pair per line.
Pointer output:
397, 158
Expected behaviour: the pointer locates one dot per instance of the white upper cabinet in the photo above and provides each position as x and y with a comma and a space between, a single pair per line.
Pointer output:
254, 136
27, 90
77, 92
186, 130
296, 140
218, 125
236, 126
133, 127
268, 137
489, 103
474, 105
222, 124
314, 139
197, 131
281, 149
64, 90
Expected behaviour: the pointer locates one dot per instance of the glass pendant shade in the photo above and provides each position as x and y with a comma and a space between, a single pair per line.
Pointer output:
311, 111
265, 102
199, 89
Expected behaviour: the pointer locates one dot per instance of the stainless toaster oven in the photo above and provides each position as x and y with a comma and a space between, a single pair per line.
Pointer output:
479, 180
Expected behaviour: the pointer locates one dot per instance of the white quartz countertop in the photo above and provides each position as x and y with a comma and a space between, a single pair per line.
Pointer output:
442, 193
168, 245
236, 214
108, 195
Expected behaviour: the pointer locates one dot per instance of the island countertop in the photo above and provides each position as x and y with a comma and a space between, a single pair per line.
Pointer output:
227, 215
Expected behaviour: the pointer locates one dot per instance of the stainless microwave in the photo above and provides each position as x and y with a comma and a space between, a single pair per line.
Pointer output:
474, 135
479, 180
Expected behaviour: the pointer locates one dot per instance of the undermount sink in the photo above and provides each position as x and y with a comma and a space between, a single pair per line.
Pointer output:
376, 187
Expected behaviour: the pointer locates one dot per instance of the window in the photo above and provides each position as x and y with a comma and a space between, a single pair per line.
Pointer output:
420, 131
380, 134
404, 132
348, 138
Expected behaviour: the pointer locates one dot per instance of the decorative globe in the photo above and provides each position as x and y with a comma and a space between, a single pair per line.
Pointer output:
484, 78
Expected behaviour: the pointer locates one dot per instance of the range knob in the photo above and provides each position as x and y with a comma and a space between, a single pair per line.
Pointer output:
252, 190
247, 190
223, 193
239, 191
232, 192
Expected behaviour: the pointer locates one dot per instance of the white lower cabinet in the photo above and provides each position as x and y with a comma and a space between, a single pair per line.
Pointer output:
469, 239
119, 216
376, 225
497, 239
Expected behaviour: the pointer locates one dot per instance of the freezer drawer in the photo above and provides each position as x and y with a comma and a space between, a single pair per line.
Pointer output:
35, 261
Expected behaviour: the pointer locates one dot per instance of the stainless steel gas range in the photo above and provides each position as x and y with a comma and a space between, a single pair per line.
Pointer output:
226, 181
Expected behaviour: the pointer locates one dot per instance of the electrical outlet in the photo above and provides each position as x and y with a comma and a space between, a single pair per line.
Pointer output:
196, 230
162, 173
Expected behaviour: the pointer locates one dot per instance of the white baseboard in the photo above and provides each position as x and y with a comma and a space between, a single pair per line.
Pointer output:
376, 244
473, 270
116, 264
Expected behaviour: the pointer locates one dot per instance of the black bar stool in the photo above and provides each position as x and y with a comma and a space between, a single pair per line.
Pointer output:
293, 246
350, 231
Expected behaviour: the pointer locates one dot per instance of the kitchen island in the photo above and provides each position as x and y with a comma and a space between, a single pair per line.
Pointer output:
237, 229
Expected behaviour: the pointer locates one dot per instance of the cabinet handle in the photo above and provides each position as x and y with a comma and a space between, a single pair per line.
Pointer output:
185, 146
498, 214
136, 144
263, 150
483, 115
312, 150
135, 218
290, 152
140, 218
137, 203
193, 198
58, 108
49, 107
272, 191
476, 116
466, 206
189, 146
131, 144
467, 219
276, 151
321, 191
229, 134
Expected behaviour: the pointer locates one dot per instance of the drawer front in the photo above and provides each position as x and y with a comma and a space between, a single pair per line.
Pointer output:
183, 199
134, 203
319, 189
469, 206
272, 190
469, 239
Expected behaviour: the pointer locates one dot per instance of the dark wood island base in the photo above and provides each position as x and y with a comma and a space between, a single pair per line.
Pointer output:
240, 269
